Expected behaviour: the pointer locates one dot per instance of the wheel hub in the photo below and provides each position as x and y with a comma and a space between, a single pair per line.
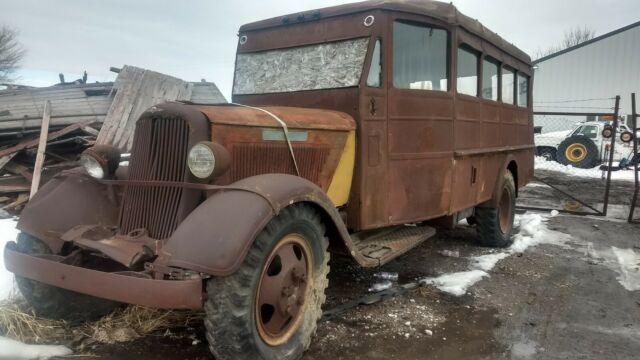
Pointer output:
576, 153
504, 211
283, 287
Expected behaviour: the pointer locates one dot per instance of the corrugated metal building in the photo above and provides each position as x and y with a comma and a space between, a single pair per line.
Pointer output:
583, 78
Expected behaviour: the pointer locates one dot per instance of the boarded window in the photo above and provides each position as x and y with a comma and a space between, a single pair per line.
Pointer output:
467, 80
523, 90
490, 79
322, 66
419, 57
375, 70
508, 86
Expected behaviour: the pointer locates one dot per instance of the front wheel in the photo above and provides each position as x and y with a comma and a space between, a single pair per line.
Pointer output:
495, 224
268, 309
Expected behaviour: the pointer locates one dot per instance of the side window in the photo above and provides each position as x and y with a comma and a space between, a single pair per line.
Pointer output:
419, 57
508, 85
490, 79
523, 90
589, 131
467, 78
375, 70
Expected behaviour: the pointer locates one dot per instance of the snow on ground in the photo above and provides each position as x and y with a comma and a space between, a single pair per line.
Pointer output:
629, 271
594, 173
15, 350
8, 232
533, 231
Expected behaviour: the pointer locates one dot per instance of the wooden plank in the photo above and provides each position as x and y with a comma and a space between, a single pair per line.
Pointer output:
18, 169
5, 160
137, 90
22, 198
32, 143
42, 146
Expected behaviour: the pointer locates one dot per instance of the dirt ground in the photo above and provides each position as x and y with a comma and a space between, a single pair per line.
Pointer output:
553, 301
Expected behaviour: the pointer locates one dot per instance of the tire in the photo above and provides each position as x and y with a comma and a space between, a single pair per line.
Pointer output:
237, 328
495, 225
56, 303
578, 151
548, 153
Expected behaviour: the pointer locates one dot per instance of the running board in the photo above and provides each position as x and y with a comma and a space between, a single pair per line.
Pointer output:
383, 245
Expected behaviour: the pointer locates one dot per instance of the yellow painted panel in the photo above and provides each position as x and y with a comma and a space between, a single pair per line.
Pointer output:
340, 186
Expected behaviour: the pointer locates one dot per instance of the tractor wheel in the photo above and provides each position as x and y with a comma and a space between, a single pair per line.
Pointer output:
56, 303
578, 151
268, 309
495, 224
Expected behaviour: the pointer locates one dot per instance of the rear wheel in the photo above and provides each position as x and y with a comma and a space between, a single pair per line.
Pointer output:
495, 224
269, 308
56, 303
578, 151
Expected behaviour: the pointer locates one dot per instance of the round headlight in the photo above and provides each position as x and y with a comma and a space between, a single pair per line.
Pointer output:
201, 161
100, 161
92, 166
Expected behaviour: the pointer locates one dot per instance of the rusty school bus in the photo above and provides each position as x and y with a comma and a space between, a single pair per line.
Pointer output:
347, 124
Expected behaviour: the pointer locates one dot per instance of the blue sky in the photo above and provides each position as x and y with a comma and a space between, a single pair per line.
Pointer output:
197, 39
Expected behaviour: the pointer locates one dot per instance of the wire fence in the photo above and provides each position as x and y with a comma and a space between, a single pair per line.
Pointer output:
582, 148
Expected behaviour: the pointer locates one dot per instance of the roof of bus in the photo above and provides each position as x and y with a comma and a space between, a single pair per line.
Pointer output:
436, 9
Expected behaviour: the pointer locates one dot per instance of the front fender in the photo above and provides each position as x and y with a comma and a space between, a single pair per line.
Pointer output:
69, 199
216, 236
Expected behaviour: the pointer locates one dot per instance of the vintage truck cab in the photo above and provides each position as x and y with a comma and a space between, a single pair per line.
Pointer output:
346, 125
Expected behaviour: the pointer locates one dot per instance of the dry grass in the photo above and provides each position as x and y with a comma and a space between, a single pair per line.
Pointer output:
17, 321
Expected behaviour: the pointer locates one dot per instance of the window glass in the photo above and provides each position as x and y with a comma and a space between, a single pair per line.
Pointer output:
467, 81
490, 79
589, 131
507, 85
375, 70
321, 66
523, 90
419, 57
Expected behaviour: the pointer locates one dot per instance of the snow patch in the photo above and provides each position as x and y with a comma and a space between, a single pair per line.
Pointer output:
532, 231
594, 173
537, 185
12, 349
456, 283
8, 232
629, 270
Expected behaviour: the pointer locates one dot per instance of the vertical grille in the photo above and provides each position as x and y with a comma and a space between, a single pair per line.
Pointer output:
159, 153
255, 159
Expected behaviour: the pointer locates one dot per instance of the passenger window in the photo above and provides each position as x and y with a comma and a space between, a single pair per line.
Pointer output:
375, 70
523, 90
490, 79
467, 78
419, 57
589, 131
507, 85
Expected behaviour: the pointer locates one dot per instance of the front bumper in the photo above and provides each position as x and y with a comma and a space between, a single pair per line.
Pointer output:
122, 287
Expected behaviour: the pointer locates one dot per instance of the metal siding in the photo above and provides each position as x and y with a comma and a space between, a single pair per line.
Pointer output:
602, 69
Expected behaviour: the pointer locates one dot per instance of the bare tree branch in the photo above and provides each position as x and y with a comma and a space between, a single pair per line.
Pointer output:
11, 53
572, 37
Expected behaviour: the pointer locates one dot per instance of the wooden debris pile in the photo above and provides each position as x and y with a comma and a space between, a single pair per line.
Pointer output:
61, 121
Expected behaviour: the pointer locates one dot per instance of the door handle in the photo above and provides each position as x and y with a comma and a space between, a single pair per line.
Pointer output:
372, 106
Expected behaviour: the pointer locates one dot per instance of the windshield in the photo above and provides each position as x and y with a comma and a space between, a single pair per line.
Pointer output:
322, 66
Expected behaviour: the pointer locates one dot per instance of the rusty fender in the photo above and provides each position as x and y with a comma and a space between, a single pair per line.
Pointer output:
71, 198
216, 236
497, 190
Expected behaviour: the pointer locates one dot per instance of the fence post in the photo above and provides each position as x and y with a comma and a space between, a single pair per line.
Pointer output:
634, 124
605, 207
